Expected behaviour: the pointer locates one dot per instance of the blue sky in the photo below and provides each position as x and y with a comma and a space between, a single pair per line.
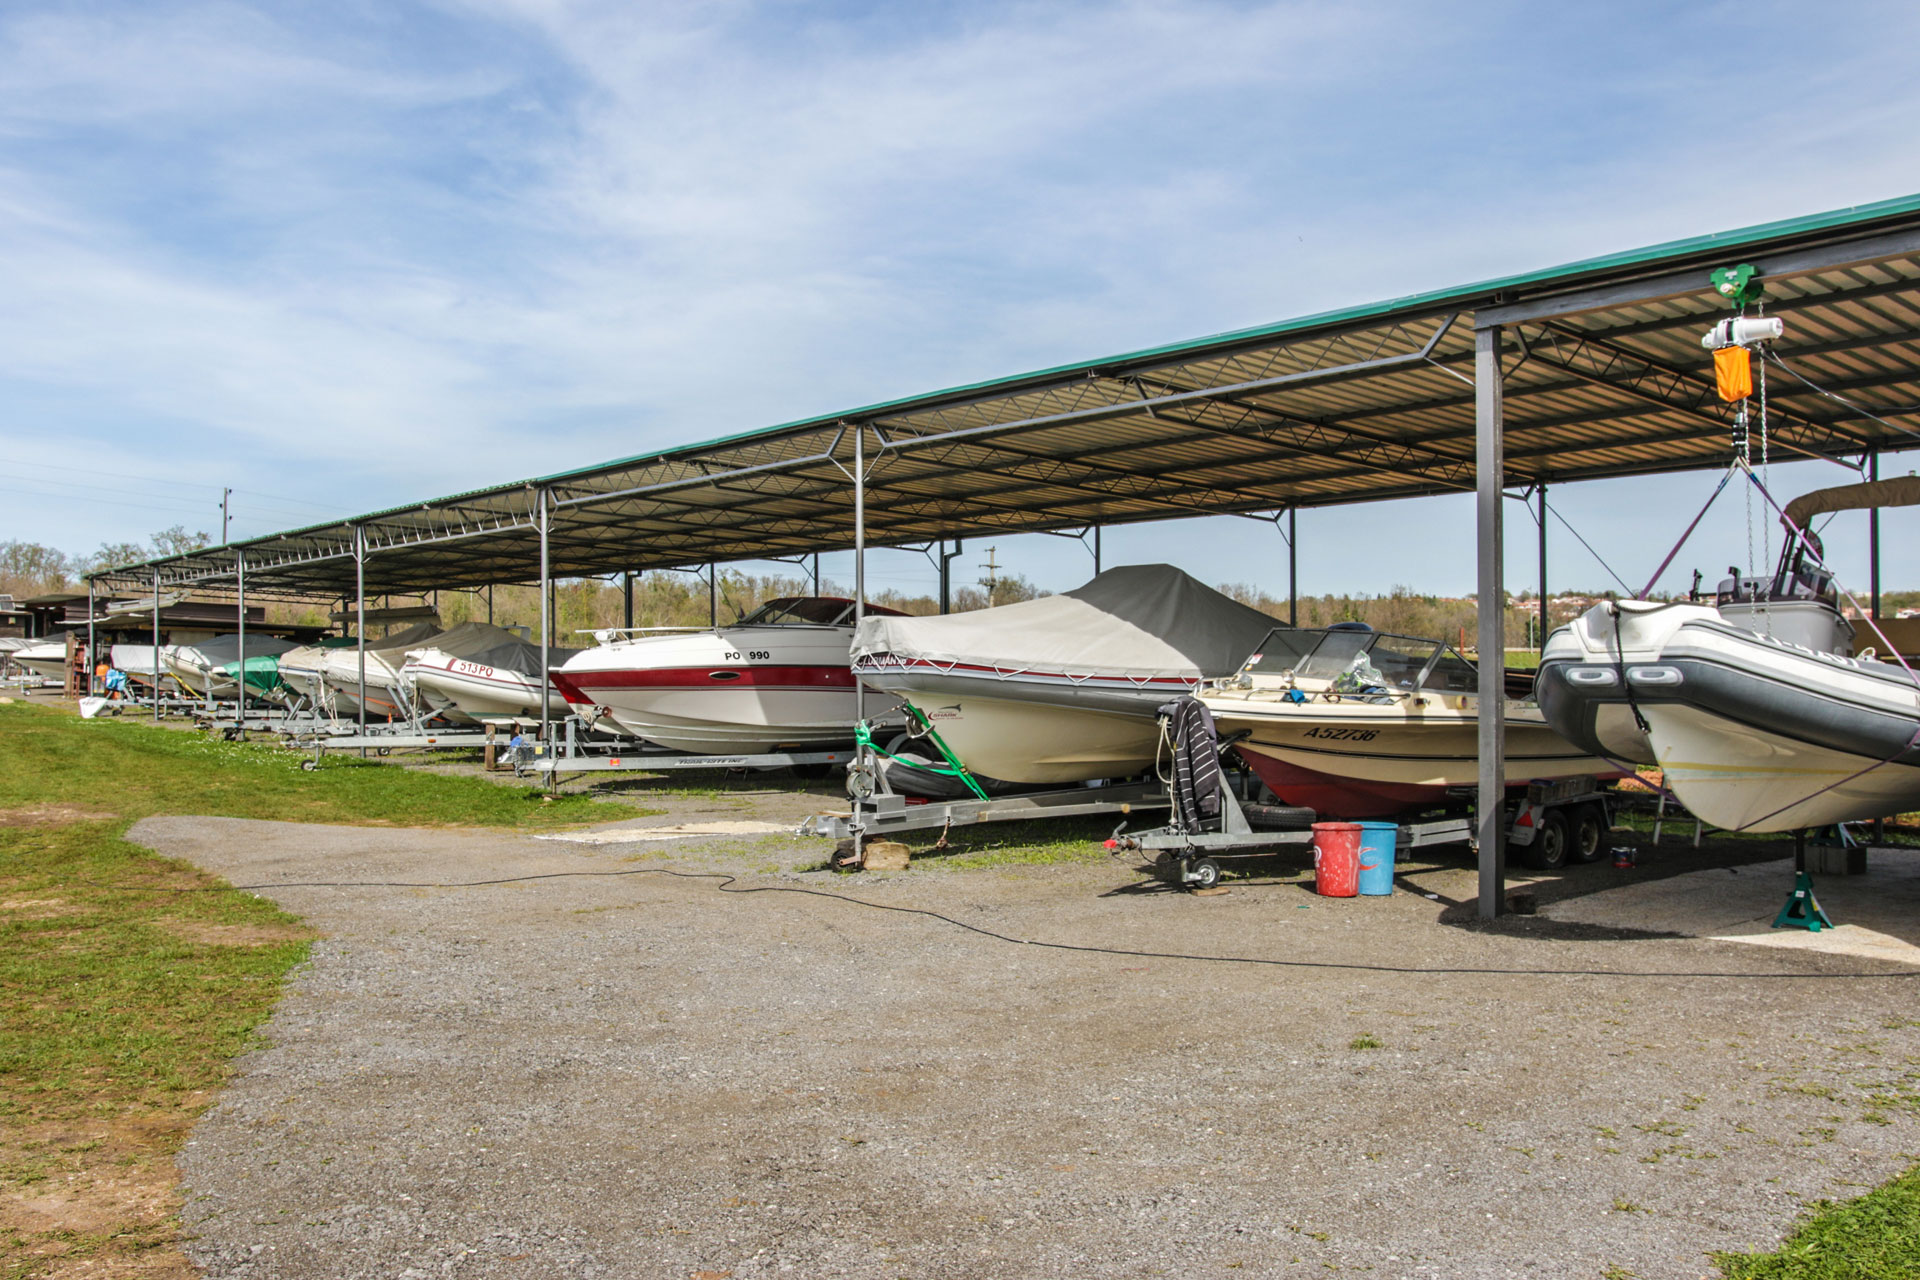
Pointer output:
341, 255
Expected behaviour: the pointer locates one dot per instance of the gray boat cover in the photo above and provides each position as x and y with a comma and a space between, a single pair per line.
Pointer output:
1901, 491
492, 646
1137, 620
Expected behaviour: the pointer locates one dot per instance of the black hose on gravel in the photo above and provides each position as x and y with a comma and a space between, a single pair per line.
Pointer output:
728, 881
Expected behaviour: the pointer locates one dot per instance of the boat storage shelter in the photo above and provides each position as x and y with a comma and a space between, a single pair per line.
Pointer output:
1590, 370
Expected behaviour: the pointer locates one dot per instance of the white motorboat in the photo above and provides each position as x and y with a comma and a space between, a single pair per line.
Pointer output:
1354, 723
1759, 716
198, 664
777, 679
485, 675
1065, 688
388, 696
46, 659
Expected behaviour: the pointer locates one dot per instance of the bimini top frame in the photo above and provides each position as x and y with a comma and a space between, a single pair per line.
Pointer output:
1603, 376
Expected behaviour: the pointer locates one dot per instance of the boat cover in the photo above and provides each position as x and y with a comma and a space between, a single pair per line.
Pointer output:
1901, 491
1141, 620
222, 650
492, 646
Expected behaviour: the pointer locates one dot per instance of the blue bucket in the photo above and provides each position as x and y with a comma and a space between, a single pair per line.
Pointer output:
1377, 841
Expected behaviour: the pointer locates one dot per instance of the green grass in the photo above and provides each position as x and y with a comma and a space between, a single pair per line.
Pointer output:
1874, 1237
123, 999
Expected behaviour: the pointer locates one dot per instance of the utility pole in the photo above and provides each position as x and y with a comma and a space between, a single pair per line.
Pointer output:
992, 581
224, 495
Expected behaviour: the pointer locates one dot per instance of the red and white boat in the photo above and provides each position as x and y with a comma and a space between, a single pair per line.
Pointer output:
778, 679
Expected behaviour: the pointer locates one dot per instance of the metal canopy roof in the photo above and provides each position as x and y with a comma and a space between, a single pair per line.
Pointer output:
1605, 376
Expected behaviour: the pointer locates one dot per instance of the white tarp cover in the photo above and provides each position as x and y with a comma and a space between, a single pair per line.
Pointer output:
221, 650
492, 646
1137, 620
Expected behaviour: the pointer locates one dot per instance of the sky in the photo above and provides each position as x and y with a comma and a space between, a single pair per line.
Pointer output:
340, 255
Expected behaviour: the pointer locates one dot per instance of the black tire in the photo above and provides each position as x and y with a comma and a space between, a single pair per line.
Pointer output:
1587, 839
1204, 874
309, 766
1548, 852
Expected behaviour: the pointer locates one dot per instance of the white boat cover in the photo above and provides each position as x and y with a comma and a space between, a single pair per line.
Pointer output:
392, 647
1141, 620
221, 650
492, 646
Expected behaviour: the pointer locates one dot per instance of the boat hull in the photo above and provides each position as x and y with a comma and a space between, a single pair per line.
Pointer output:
49, 662
738, 690
1362, 760
1755, 734
474, 692
1035, 728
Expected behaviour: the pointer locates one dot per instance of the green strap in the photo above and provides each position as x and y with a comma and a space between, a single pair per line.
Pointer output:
953, 769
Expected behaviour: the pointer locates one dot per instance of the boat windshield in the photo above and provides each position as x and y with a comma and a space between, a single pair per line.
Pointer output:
799, 611
1365, 659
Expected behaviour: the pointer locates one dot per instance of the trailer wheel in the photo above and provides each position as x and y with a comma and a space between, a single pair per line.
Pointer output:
1589, 834
1548, 852
308, 766
1204, 874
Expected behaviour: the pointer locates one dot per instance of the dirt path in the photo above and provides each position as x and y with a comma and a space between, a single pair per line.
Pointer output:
641, 1076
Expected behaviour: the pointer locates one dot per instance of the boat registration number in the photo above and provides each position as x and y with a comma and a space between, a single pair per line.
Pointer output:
1346, 735
466, 668
752, 655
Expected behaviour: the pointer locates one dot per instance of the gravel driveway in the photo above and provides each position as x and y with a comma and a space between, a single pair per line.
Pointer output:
642, 1076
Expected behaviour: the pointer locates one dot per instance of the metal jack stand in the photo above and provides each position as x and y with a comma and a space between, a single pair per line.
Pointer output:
1802, 910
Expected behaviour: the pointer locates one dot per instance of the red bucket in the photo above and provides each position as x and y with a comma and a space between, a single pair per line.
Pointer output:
1336, 859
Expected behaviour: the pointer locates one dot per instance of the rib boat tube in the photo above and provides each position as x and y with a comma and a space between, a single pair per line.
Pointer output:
1065, 688
1359, 724
1755, 733
1592, 671
487, 675
777, 679
1756, 710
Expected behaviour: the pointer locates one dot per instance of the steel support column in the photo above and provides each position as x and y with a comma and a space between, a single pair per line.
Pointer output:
1489, 471
1541, 636
626, 599
93, 653
156, 643
240, 627
713, 595
1096, 551
544, 516
816, 573
946, 572
360, 619
1873, 536
1293, 569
